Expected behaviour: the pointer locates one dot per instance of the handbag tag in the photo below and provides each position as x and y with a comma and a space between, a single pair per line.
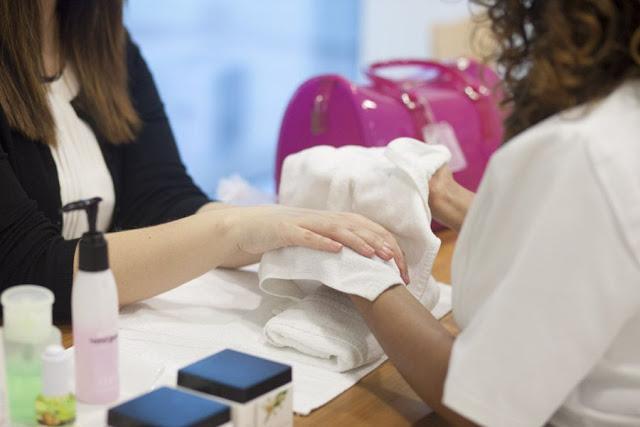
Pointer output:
442, 133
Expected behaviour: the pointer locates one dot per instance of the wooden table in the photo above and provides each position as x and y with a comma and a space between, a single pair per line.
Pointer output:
382, 398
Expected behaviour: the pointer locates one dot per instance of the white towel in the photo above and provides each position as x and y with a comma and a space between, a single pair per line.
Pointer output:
315, 326
388, 185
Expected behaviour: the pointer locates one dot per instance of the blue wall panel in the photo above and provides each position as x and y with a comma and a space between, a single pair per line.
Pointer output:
227, 68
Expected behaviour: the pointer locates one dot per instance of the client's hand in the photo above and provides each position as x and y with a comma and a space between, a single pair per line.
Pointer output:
261, 229
448, 200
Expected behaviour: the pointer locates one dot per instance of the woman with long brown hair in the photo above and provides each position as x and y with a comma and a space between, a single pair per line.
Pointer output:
80, 117
546, 273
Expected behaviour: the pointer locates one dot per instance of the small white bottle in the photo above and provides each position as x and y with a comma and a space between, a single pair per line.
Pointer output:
94, 309
56, 404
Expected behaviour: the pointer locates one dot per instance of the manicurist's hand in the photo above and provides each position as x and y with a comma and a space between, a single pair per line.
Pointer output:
151, 260
448, 200
261, 229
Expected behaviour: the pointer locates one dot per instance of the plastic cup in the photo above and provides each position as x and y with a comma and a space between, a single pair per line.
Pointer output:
27, 313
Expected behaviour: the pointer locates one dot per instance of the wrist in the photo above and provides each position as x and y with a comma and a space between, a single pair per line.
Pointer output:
450, 204
361, 304
225, 224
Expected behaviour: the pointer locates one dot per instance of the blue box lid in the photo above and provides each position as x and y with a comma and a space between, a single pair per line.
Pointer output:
234, 376
168, 407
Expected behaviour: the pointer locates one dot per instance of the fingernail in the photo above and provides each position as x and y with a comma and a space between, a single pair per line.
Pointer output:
387, 252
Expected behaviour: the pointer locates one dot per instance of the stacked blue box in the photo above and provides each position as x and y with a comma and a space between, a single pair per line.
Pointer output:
258, 390
167, 407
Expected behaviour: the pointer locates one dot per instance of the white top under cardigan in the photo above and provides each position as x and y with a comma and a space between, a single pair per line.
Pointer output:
82, 171
546, 276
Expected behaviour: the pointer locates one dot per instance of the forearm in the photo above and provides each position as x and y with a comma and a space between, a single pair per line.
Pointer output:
417, 344
238, 259
152, 260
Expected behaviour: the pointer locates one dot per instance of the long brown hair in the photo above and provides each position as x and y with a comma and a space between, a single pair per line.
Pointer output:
92, 40
556, 54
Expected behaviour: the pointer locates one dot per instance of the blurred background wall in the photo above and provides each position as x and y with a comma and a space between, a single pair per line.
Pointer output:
227, 68
404, 28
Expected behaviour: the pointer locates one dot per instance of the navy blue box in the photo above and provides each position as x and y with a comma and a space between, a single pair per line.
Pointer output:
234, 376
167, 407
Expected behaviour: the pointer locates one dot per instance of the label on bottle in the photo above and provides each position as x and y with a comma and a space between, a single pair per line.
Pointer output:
97, 379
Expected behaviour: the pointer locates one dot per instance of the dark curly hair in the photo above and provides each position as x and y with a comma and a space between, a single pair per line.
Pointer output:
556, 54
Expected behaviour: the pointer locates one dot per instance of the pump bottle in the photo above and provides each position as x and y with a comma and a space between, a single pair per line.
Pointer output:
94, 310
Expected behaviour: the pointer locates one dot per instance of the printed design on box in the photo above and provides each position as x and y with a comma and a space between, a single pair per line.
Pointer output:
274, 409
275, 404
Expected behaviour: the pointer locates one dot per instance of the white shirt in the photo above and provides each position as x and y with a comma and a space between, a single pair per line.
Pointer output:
82, 171
546, 276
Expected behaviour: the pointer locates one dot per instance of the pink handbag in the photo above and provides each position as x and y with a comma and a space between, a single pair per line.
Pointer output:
447, 103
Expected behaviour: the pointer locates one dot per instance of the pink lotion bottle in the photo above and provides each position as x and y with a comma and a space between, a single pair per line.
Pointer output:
94, 310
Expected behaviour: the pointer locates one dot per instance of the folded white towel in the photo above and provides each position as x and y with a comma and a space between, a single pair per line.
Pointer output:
326, 326
315, 326
387, 185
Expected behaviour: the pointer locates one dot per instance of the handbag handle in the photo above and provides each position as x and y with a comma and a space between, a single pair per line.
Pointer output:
418, 106
472, 90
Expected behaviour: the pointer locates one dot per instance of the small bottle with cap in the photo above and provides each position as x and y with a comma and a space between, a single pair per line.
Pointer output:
56, 404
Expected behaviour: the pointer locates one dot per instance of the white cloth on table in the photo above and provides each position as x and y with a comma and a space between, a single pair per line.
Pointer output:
389, 186
222, 309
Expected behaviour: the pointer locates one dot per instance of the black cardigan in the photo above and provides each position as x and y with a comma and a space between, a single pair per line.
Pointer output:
150, 181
